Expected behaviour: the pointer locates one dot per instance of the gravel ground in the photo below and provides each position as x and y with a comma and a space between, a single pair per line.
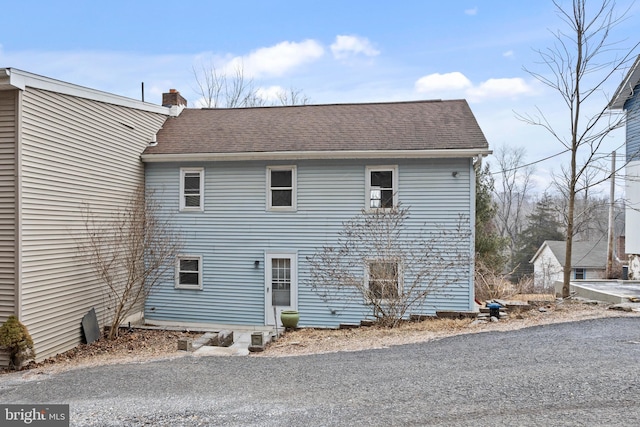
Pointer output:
576, 373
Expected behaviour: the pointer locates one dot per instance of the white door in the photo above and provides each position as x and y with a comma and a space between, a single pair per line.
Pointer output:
281, 285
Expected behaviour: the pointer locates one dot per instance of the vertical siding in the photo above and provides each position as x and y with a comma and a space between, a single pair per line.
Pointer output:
75, 152
632, 172
235, 230
8, 114
8, 119
632, 107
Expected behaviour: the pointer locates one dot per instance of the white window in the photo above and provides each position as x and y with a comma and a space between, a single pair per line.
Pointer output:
580, 273
382, 187
189, 272
191, 189
383, 279
281, 188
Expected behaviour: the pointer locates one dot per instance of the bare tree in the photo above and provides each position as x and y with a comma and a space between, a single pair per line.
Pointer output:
580, 63
293, 96
219, 89
380, 262
512, 195
130, 251
589, 205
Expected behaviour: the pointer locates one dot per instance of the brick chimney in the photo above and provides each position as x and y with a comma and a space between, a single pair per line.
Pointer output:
173, 98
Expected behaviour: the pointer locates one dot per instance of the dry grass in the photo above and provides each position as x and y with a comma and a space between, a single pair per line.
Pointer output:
146, 345
312, 341
132, 347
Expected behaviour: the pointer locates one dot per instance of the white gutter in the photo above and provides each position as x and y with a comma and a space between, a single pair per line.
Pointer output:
316, 155
12, 78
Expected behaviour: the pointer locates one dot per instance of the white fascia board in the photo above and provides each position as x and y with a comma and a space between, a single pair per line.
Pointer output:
625, 90
315, 155
12, 78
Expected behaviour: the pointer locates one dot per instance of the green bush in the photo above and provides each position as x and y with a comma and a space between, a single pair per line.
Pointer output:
15, 338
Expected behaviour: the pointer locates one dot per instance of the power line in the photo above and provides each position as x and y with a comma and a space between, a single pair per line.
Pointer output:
530, 164
551, 157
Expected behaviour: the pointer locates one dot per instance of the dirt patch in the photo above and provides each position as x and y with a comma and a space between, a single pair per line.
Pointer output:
141, 346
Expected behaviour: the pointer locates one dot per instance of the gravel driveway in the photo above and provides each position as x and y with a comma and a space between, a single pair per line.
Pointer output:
583, 373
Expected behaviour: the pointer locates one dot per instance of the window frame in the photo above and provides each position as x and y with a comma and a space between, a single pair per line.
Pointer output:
293, 188
183, 205
177, 283
394, 182
582, 270
400, 276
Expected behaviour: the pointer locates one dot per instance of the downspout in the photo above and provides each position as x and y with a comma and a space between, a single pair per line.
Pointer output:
476, 163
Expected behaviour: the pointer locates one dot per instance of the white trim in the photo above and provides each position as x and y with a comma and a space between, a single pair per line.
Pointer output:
268, 307
13, 78
183, 207
394, 183
317, 155
294, 188
625, 90
177, 284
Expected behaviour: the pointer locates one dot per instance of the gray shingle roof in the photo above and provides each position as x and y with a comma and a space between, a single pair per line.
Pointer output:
420, 125
583, 254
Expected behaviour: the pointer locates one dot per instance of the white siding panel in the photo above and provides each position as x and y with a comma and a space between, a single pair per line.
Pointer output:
75, 153
235, 230
8, 118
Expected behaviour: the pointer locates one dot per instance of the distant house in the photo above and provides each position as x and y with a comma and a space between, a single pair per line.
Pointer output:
626, 98
257, 190
62, 147
588, 261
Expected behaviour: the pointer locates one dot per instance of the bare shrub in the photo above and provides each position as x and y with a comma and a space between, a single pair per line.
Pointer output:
381, 262
129, 251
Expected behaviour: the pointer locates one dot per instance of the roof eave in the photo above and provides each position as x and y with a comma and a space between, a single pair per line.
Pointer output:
13, 78
317, 155
625, 90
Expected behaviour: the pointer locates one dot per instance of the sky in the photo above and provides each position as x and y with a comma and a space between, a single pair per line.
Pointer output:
346, 51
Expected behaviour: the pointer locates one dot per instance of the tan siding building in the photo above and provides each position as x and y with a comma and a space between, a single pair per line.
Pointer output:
63, 148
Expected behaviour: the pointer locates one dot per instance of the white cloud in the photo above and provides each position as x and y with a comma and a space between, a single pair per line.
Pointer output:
508, 54
441, 82
277, 60
471, 12
500, 88
346, 46
270, 93
456, 84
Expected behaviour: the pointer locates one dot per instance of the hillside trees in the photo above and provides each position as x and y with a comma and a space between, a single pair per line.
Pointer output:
577, 67
542, 224
489, 245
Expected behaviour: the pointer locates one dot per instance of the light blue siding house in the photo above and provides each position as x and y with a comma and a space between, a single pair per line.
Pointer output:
256, 191
626, 99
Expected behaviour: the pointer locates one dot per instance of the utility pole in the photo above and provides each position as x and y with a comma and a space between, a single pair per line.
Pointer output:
612, 201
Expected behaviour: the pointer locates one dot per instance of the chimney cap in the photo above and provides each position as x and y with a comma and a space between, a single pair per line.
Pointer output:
173, 91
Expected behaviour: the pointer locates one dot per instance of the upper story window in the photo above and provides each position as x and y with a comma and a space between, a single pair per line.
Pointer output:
281, 188
189, 272
191, 189
382, 187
